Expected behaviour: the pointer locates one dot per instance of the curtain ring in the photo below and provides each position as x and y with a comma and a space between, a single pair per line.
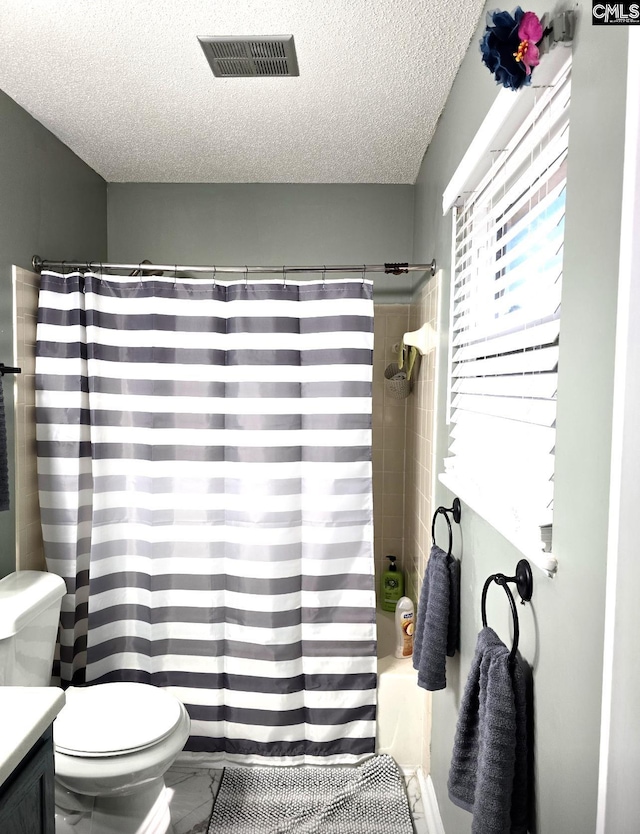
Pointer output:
364, 272
215, 270
324, 277
284, 277
175, 274
246, 275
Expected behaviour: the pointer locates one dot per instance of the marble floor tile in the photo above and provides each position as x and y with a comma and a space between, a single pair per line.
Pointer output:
191, 795
412, 786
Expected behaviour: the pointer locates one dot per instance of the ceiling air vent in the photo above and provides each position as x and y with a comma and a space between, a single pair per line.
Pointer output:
246, 57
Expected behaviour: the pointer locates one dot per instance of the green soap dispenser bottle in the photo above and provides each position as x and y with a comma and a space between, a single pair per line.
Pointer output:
391, 586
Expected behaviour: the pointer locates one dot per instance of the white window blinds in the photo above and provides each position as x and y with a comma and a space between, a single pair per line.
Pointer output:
507, 278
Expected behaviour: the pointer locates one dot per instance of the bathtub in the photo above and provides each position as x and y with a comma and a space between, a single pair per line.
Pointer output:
402, 704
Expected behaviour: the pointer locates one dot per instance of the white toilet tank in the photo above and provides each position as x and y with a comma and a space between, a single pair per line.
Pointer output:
29, 614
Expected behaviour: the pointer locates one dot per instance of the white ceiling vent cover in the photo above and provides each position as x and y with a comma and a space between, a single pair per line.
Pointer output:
248, 57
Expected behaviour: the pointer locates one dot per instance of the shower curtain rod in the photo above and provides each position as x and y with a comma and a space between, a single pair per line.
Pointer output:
146, 266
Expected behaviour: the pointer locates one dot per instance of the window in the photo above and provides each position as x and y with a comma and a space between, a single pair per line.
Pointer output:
505, 322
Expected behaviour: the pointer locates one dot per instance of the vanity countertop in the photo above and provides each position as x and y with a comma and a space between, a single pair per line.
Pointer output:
25, 713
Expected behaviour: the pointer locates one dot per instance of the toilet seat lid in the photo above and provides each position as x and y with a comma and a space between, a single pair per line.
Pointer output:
111, 718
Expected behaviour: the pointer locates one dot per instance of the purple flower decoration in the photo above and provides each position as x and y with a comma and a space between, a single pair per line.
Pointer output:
530, 33
509, 48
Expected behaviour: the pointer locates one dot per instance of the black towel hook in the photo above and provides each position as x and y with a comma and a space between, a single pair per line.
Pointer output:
524, 583
456, 511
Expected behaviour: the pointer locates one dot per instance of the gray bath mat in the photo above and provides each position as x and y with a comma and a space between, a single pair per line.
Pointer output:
366, 799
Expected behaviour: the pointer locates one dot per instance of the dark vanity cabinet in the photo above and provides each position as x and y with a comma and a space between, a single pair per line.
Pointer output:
27, 796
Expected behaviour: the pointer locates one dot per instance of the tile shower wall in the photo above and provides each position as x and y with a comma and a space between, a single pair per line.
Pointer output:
29, 549
402, 455
402, 431
418, 485
419, 473
390, 322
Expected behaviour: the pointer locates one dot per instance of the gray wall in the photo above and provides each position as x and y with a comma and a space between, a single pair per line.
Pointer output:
53, 205
265, 224
562, 630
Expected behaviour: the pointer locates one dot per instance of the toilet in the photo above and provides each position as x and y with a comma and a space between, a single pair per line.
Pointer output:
113, 741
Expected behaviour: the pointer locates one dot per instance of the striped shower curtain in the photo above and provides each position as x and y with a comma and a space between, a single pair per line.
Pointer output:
204, 462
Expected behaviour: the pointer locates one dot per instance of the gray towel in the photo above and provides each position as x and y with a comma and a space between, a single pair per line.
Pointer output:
438, 620
4, 472
488, 774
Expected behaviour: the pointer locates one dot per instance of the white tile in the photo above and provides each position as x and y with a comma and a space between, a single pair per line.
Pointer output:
412, 786
174, 776
196, 823
191, 798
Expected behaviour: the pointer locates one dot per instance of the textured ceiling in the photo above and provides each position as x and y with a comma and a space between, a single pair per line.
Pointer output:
125, 84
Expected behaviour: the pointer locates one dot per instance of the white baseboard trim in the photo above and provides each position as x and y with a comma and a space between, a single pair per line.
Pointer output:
430, 804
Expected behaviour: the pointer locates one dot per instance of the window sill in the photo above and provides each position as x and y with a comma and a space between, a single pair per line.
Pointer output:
545, 561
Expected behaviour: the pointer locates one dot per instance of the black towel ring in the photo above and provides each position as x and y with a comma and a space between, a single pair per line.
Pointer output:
524, 582
456, 511
442, 511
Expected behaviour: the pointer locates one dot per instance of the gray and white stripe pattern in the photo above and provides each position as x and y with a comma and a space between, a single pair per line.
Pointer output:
204, 461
